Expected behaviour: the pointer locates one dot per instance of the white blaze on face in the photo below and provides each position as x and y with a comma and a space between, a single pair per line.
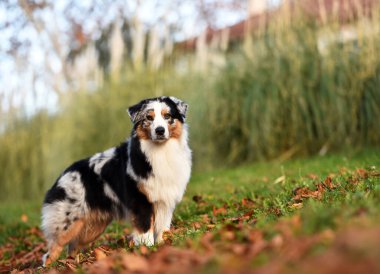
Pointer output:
158, 121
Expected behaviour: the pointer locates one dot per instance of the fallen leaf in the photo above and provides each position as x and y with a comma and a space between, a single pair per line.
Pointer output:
219, 211
196, 225
247, 202
362, 173
24, 218
296, 205
99, 254
328, 183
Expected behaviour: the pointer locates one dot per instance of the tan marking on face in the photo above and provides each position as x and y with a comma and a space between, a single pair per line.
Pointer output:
151, 113
164, 111
143, 132
175, 129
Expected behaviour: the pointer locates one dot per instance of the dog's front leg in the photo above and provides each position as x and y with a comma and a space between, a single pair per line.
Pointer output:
143, 229
162, 220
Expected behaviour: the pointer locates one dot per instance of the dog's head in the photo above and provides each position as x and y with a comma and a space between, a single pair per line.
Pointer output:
158, 119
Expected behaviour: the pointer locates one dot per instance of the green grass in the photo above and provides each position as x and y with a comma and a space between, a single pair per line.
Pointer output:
270, 202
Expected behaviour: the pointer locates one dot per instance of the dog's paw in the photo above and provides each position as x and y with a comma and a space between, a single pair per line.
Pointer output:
143, 239
46, 260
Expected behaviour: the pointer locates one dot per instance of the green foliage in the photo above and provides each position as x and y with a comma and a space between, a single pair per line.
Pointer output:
290, 94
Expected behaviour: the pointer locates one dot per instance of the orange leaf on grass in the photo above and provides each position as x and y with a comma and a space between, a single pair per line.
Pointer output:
247, 202
219, 211
328, 183
24, 218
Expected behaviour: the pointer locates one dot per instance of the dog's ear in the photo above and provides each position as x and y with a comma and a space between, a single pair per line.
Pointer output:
135, 112
181, 106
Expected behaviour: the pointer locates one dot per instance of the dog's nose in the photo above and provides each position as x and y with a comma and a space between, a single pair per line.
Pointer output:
160, 130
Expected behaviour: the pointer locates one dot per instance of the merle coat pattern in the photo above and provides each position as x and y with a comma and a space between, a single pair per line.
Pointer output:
141, 180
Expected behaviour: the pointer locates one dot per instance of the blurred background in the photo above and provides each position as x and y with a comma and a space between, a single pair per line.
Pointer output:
264, 79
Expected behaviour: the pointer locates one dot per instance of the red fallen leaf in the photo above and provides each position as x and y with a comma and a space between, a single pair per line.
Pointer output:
362, 173
99, 254
217, 211
247, 202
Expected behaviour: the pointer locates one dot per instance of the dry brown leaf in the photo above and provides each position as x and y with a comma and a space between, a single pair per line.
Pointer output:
362, 173
99, 254
296, 205
135, 263
247, 202
328, 183
196, 225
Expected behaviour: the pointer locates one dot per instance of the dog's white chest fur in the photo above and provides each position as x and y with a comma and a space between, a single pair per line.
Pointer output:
171, 167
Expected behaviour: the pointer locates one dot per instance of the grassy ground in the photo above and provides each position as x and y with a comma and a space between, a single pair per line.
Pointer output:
273, 217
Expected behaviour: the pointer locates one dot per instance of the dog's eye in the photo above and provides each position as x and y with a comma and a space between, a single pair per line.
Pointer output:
167, 116
149, 118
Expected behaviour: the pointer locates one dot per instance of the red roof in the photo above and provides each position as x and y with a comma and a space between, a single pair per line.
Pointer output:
344, 10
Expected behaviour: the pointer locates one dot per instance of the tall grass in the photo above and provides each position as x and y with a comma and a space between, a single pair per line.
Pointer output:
287, 95
279, 95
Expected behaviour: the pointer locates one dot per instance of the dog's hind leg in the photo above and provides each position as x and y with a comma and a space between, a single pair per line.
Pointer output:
73, 247
56, 244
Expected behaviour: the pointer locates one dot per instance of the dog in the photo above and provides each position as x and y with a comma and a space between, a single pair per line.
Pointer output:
141, 180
